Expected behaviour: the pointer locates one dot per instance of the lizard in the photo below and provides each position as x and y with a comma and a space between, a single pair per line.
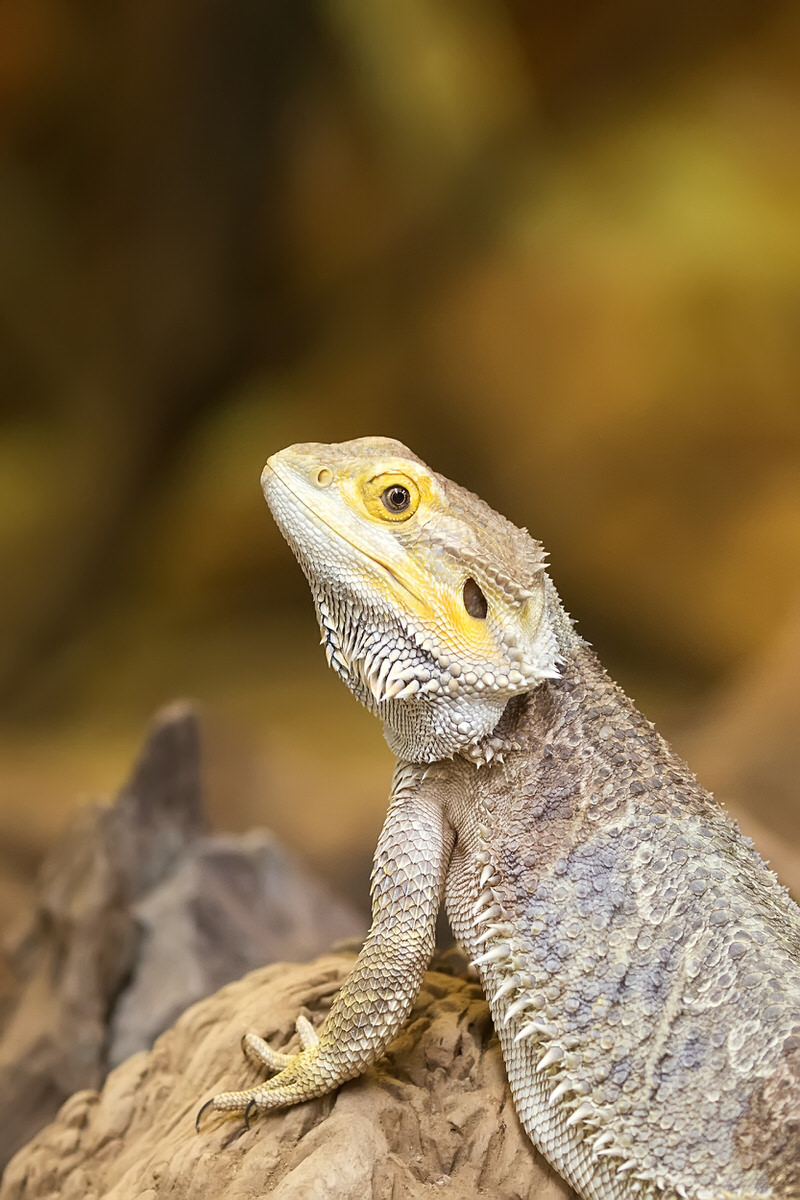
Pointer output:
641, 962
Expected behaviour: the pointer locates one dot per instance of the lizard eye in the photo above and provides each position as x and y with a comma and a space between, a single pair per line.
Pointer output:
474, 600
396, 498
391, 496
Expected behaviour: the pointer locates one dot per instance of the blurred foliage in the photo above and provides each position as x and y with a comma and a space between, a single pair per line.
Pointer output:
554, 248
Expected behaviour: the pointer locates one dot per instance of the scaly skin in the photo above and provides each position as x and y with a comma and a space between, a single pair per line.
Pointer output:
641, 962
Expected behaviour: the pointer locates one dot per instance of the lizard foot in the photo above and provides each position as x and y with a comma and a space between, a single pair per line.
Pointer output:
297, 1077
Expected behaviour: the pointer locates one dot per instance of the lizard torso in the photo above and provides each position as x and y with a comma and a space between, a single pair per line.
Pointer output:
641, 962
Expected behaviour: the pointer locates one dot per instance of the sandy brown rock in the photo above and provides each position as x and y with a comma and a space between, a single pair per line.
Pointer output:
83, 938
433, 1117
138, 914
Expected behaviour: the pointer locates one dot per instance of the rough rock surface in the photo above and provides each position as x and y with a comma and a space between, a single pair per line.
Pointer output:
433, 1117
138, 915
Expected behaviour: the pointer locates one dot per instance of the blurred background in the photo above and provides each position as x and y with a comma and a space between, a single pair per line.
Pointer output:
553, 247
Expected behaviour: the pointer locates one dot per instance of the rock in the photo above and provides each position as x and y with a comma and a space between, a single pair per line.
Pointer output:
434, 1116
138, 915
231, 903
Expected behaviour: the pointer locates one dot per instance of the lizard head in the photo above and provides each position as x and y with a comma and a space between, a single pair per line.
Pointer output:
433, 608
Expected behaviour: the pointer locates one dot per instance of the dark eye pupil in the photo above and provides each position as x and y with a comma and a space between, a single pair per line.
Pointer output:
396, 498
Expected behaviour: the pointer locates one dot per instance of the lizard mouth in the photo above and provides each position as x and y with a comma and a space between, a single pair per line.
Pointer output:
316, 517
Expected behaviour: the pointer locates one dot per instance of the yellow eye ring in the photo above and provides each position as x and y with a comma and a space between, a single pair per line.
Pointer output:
391, 497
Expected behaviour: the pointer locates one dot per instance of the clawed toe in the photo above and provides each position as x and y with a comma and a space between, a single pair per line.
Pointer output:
306, 1032
265, 1095
255, 1048
258, 1050
230, 1104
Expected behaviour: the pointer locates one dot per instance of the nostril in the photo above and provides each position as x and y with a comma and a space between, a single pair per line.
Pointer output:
323, 477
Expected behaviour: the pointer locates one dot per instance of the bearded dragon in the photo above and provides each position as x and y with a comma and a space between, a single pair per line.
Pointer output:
641, 962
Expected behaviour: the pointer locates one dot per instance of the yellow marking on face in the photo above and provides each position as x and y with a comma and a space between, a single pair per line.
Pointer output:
472, 634
437, 601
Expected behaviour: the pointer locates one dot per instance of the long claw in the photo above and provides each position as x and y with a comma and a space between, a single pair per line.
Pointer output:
199, 1117
269, 1094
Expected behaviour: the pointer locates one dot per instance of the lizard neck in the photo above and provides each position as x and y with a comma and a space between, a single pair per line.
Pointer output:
556, 710
568, 649
439, 711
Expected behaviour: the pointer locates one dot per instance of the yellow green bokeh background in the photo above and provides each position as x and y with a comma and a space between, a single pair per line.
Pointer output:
554, 248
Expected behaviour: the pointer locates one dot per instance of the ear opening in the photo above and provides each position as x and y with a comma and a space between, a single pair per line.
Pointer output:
474, 600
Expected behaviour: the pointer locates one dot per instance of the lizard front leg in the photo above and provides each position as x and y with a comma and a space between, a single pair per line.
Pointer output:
408, 876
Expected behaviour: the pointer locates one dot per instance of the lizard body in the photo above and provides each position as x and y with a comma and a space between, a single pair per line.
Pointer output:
641, 962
